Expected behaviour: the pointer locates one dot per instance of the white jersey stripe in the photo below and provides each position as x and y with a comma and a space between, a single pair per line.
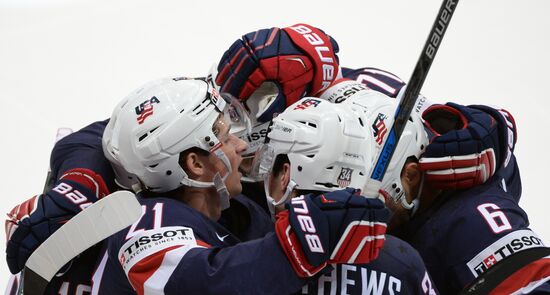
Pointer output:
531, 286
155, 284
98, 274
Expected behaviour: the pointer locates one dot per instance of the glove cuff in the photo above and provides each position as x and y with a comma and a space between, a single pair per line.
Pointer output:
318, 46
292, 249
440, 119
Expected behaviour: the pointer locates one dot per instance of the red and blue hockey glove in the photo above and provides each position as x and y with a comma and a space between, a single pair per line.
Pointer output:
467, 144
300, 60
33, 221
335, 227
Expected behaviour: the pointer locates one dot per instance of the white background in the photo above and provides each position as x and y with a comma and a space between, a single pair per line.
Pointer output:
67, 63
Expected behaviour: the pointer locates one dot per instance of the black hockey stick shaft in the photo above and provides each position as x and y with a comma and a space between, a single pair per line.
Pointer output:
416, 81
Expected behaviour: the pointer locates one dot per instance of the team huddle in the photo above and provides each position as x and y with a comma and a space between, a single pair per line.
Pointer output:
251, 181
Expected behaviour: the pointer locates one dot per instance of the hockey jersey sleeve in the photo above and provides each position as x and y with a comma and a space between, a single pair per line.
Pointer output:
81, 175
376, 79
182, 252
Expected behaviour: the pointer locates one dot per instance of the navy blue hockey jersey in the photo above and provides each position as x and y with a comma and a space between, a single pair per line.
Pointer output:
464, 233
177, 250
83, 149
397, 270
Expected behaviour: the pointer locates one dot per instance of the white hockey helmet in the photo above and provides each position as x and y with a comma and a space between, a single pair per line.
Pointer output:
161, 119
327, 145
378, 110
122, 177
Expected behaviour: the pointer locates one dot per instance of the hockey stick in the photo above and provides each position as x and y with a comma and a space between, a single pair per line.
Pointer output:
495, 275
89, 227
407, 103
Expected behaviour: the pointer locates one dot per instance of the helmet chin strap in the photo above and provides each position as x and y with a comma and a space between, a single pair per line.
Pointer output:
396, 192
271, 203
218, 182
415, 203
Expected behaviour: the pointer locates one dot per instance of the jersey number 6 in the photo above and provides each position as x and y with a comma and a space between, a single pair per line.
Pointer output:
494, 217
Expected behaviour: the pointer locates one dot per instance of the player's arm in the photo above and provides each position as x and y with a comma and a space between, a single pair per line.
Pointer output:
33, 221
332, 228
79, 181
376, 79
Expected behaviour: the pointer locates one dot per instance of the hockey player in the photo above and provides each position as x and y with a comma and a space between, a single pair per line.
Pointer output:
187, 161
462, 233
79, 162
459, 233
318, 146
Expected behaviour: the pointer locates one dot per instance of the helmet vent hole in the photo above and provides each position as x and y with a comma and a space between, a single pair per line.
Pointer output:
146, 134
310, 124
410, 119
361, 173
310, 156
168, 172
330, 167
153, 166
361, 122
327, 184
299, 168
143, 137
339, 119
182, 110
200, 111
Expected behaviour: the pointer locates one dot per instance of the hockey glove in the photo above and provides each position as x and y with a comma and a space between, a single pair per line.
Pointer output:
33, 221
465, 147
335, 227
300, 60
